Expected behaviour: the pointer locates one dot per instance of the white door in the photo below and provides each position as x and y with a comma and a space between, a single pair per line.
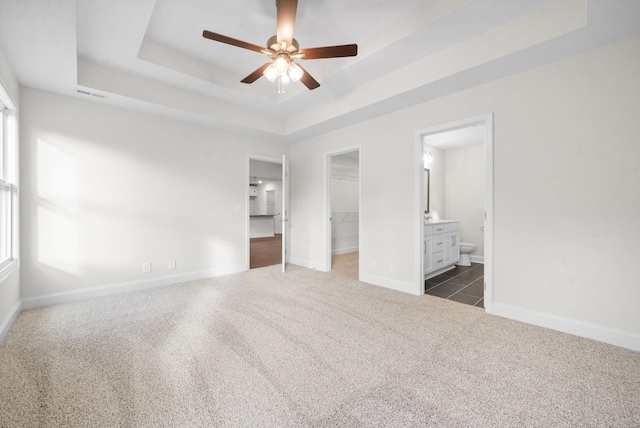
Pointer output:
278, 215
285, 210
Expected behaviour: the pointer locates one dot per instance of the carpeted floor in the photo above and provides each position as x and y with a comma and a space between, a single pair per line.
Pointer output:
262, 349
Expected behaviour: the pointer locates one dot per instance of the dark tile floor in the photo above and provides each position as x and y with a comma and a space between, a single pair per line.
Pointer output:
464, 284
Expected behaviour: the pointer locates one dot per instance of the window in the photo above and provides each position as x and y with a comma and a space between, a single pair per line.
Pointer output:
8, 187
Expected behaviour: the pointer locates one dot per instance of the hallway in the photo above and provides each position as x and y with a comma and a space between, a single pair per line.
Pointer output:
265, 251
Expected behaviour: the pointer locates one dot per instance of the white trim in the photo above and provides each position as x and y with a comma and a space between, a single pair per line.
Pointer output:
346, 250
419, 241
488, 221
125, 287
405, 287
9, 137
487, 120
307, 264
8, 269
612, 336
9, 320
477, 259
262, 235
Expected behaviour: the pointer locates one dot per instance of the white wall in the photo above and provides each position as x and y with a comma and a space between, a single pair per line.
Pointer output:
465, 193
10, 287
566, 197
105, 190
265, 169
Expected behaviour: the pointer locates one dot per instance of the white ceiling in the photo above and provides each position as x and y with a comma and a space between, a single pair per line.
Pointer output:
149, 55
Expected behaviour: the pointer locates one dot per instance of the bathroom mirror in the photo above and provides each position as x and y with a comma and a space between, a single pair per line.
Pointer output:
425, 184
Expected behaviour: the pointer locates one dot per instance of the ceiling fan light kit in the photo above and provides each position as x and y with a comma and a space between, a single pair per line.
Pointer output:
283, 49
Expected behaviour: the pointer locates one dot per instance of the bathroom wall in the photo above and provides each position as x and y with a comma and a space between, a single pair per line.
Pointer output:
437, 182
465, 193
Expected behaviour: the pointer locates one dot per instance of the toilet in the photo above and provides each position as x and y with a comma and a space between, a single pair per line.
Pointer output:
466, 249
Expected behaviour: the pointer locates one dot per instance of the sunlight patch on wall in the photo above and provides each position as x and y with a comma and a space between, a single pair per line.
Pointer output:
58, 239
57, 189
57, 175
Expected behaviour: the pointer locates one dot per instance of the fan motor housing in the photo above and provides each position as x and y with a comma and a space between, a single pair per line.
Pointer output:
273, 45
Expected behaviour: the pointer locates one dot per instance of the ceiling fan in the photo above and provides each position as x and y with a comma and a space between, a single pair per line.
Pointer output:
283, 49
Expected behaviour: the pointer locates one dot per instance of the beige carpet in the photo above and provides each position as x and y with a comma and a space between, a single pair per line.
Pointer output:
262, 349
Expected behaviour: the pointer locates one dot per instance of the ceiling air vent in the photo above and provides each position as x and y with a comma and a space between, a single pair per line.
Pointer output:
91, 94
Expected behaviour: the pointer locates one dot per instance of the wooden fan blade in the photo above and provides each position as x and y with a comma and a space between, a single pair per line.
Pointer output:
307, 80
286, 20
329, 52
256, 74
230, 41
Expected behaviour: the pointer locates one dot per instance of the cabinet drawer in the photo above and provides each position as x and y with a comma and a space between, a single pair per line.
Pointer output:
438, 228
428, 231
438, 260
437, 243
451, 227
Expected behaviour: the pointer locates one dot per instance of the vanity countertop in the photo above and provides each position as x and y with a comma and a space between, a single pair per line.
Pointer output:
430, 222
261, 215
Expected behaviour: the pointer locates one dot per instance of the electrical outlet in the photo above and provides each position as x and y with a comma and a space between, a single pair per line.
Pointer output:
146, 267
172, 264
394, 268
237, 208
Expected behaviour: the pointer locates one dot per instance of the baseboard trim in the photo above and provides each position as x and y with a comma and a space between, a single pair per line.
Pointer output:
307, 264
344, 250
612, 336
477, 259
9, 320
125, 287
405, 287
262, 235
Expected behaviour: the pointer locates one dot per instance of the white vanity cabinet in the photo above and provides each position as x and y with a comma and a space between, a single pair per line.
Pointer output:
441, 247
452, 243
427, 265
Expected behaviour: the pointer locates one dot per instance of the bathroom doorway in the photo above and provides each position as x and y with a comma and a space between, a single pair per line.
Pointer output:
343, 204
458, 157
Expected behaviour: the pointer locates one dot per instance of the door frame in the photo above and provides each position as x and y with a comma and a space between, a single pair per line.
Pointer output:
483, 119
285, 211
327, 200
247, 199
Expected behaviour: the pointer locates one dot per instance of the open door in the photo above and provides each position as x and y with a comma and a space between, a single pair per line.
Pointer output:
285, 210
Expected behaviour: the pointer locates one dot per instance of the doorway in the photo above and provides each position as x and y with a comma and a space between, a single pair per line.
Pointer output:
343, 184
460, 154
264, 212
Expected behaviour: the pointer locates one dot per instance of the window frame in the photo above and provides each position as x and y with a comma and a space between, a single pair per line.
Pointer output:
9, 181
